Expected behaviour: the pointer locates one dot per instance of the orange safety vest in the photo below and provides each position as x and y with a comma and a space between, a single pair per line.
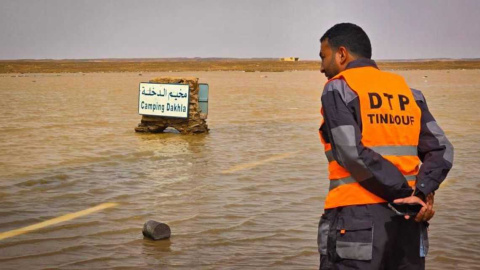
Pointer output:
390, 127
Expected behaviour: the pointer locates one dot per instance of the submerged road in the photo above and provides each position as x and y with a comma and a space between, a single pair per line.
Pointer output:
77, 183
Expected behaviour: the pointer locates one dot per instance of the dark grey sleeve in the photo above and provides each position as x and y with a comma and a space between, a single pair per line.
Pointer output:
434, 149
343, 126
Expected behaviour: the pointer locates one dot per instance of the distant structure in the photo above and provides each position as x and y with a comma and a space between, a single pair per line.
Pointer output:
289, 59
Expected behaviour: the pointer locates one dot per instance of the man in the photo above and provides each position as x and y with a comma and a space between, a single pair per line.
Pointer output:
376, 132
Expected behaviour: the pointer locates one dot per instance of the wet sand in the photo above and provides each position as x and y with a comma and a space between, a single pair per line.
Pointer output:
248, 195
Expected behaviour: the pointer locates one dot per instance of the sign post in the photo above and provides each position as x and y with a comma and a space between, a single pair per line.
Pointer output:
168, 100
172, 102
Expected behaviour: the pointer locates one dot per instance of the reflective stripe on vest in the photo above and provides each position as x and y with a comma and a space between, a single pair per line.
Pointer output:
334, 183
391, 150
390, 126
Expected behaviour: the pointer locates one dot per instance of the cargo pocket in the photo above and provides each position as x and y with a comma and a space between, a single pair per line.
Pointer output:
424, 239
322, 237
354, 238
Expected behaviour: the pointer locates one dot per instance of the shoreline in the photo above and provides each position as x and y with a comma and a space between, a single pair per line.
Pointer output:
96, 66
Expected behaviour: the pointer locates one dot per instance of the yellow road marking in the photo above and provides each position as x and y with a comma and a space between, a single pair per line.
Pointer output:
246, 166
57, 220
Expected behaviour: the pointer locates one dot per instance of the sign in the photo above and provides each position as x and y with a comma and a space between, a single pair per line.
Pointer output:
169, 100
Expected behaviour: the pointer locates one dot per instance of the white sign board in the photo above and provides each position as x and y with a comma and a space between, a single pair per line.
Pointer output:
169, 100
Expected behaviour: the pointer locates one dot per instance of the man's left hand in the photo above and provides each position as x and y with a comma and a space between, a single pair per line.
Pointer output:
425, 213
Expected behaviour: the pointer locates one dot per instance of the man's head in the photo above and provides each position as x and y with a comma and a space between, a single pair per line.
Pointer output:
340, 45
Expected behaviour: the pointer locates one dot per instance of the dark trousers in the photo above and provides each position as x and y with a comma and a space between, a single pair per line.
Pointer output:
370, 237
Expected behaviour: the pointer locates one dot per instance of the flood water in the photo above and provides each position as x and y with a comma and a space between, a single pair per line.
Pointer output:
248, 195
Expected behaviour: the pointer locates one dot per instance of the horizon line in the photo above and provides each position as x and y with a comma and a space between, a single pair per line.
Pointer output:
224, 58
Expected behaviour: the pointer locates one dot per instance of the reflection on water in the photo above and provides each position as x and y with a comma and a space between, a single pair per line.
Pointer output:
247, 195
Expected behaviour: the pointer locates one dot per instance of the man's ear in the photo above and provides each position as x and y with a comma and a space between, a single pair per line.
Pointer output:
342, 54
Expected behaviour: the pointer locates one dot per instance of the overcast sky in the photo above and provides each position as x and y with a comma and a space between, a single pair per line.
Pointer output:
71, 29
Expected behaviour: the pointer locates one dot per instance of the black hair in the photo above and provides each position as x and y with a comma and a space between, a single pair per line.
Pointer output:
351, 36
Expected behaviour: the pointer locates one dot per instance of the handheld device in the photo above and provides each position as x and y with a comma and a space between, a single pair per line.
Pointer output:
405, 209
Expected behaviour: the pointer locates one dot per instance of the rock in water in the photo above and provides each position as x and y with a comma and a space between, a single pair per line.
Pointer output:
156, 230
